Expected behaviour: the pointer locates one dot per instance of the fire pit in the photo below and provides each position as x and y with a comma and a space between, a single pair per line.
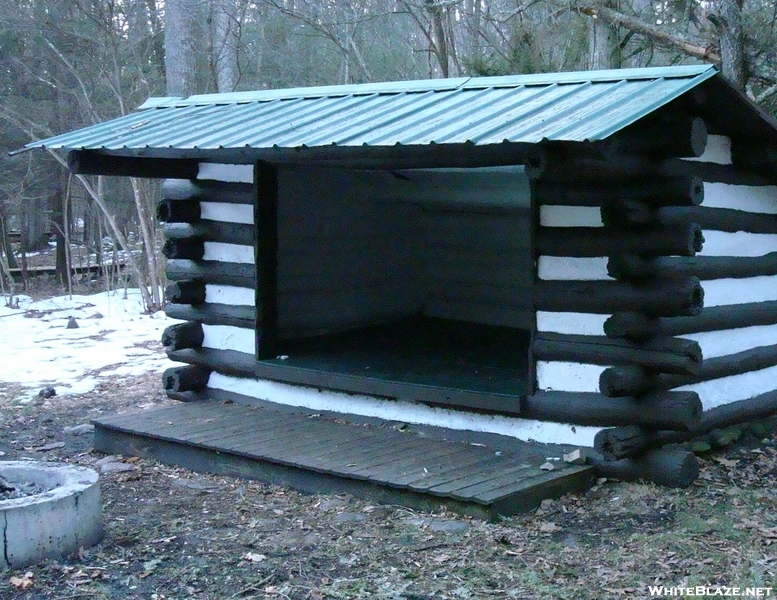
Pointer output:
57, 511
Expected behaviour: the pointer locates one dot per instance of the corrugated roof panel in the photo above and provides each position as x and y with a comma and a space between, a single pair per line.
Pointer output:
582, 106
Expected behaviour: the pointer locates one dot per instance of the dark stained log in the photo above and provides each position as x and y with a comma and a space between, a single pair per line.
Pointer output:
629, 267
754, 359
683, 137
719, 219
629, 441
759, 154
636, 326
632, 325
191, 378
679, 190
227, 362
681, 240
628, 380
553, 163
670, 468
177, 211
665, 297
214, 314
212, 231
190, 291
716, 173
183, 335
622, 442
184, 248
94, 162
266, 211
627, 213
209, 271
666, 355
662, 410
203, 190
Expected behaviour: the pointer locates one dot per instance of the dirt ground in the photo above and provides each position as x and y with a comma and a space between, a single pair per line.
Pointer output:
173, 534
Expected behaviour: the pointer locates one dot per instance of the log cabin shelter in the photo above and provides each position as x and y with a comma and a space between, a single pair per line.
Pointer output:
586, 259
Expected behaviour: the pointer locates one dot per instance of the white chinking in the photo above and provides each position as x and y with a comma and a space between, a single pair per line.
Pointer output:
406, 412
571, 323
725, 292
227, 212
731, 341
231, 253
570, 216
568, 268
225, 337
229, 294
718, 151
733, 388
740, 243
756, 199
228, 173
568, 376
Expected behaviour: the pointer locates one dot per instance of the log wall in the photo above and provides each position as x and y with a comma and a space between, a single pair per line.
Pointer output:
717, 292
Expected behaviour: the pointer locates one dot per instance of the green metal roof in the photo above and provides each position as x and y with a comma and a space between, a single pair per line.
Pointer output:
481, 111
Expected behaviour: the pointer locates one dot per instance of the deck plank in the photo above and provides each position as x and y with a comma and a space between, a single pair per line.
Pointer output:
314, 453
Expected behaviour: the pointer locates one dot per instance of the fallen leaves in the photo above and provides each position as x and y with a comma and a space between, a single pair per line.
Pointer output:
22, 583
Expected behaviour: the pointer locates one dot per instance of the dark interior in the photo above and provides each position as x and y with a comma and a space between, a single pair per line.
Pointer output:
415, 287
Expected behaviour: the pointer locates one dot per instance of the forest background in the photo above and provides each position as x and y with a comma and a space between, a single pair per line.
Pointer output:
66, 64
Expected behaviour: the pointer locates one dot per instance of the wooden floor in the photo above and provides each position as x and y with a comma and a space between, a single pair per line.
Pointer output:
317, 454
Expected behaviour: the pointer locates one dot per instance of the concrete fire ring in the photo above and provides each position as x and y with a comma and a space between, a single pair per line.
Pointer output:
66, 516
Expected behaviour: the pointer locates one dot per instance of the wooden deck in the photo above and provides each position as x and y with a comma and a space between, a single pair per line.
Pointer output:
317, 454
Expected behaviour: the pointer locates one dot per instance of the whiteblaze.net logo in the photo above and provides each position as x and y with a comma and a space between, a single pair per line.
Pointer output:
701, 591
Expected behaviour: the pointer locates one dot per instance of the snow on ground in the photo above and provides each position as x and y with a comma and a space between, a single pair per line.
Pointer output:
113, 338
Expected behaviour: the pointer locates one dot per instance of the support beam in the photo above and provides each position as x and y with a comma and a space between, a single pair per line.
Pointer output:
665, 298
667, 355
266, 248
94, 162
554, 164
628, 380
664, 410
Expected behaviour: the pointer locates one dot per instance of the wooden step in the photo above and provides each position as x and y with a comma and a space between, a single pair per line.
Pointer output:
318, 454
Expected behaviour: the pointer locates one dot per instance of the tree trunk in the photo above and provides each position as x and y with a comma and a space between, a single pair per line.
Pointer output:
731, 38
181, 47
604, 51
225, 45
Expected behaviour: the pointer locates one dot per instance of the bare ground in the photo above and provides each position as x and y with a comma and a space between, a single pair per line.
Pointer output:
174, 534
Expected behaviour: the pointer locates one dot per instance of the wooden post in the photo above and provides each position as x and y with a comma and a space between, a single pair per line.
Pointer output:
266, 249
